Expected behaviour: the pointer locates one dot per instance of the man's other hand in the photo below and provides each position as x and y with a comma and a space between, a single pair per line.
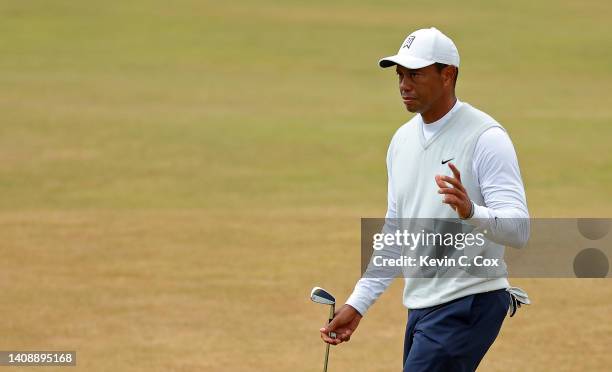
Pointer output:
344, 324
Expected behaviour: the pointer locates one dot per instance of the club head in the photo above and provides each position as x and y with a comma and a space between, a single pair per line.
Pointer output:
321, 296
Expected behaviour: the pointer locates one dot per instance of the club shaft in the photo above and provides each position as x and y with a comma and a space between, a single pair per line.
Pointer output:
332, 310
326, 358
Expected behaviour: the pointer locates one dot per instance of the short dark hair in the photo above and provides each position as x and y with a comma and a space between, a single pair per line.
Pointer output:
441, 66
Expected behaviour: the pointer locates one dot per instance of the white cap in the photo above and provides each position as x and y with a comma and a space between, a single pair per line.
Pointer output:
422, 48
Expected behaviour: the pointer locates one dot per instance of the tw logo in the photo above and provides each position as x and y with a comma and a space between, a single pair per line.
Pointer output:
408, 42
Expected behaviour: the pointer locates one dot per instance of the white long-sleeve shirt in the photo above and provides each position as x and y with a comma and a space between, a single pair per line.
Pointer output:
496, 170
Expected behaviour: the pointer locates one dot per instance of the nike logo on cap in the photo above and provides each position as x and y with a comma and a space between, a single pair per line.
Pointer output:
446, 161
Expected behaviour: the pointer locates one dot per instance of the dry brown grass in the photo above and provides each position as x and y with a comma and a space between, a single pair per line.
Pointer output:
202, 290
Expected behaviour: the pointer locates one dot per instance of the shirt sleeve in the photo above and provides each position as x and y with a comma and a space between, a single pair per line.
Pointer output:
368, 289
495, 166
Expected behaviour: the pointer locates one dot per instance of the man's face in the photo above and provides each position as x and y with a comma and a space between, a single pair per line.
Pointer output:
420, 88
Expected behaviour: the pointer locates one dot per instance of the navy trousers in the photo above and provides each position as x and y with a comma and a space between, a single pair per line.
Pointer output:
456, 335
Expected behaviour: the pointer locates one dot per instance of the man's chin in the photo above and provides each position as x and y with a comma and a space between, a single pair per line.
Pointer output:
412, 109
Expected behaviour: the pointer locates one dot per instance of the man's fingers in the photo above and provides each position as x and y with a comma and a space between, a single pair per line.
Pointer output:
453, 181
332, 341
441, 184
346, 335
451, 191
455, 171
325, 337
456, 196
444, 181
326, 334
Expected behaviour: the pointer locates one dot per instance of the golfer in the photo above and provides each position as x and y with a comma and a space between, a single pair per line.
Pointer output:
450, 160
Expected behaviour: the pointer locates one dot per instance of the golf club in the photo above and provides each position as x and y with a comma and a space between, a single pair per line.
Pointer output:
321, 296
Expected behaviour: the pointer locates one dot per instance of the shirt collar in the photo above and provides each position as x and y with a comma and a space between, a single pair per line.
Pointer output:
440, 122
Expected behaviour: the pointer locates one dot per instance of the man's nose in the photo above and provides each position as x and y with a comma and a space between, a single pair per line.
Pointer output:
406, 85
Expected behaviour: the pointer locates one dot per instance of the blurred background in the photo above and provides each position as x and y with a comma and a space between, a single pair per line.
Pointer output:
176, 177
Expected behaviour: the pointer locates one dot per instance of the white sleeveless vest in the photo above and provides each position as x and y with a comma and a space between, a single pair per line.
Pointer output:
414, 164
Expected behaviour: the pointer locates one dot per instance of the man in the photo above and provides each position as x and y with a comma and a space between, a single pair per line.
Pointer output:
450, 160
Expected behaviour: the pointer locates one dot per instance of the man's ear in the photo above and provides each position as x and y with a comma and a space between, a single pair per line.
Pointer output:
448, 75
